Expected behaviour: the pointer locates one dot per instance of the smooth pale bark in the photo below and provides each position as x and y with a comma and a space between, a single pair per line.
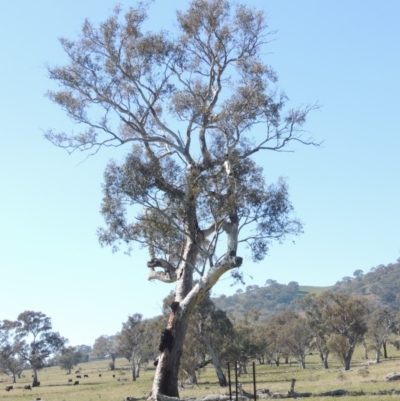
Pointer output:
364, 344
187, 297
138, 365
166, 376
242, 368
215, 361
324, 358
302, 361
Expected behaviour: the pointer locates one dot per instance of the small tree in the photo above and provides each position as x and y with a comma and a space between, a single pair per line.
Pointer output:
213, 329
277, 345
298, 337
106, 347
158, 93
69, 358
10, 362
85, 351
133, 342
35, 341
313, 307
345, 317
381, 324
243, 347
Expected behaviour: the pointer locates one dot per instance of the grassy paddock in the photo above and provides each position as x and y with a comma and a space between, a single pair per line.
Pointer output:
54, 382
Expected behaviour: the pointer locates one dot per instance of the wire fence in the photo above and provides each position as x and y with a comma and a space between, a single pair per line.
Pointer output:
237, 383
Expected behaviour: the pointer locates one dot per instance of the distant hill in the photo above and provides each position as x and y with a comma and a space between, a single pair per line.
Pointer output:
265, 302
381, 285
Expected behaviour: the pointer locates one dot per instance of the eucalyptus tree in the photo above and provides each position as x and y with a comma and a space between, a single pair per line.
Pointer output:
106, 346
313, 307
194, 106
212, 328
68, 358
346, 319
35, 341
134, 342
381, 324
298, 338
10, 361
273, 334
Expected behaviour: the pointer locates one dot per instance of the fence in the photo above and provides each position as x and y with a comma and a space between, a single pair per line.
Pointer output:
236, 382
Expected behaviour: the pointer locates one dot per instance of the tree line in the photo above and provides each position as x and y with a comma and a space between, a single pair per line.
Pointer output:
331, 324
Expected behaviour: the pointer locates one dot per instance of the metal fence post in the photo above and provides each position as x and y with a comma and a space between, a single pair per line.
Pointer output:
229, 382
254, 381
236, 380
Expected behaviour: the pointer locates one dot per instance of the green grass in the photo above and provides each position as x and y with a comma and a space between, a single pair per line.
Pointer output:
304, 289
54, 382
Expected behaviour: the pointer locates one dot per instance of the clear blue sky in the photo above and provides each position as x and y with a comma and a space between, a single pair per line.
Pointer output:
343, 54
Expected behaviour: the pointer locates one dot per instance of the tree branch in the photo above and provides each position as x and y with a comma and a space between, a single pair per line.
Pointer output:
167, 276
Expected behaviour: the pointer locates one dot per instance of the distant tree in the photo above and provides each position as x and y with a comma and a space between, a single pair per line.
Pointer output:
358, 273
251, 315
293, 286
261, 343
214, 331
346, 279
10, 362
35, 341
243, 347
313, 307
239, 291
133, 342
185, 104
346, 318
85, 350
298, 337
277, 345
271, 282
252, 288
68, 358
194, 357
106, 347
381, 324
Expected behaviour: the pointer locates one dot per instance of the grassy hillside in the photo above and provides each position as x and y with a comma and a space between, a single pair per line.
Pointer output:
380, 285
265, 301
304, 289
